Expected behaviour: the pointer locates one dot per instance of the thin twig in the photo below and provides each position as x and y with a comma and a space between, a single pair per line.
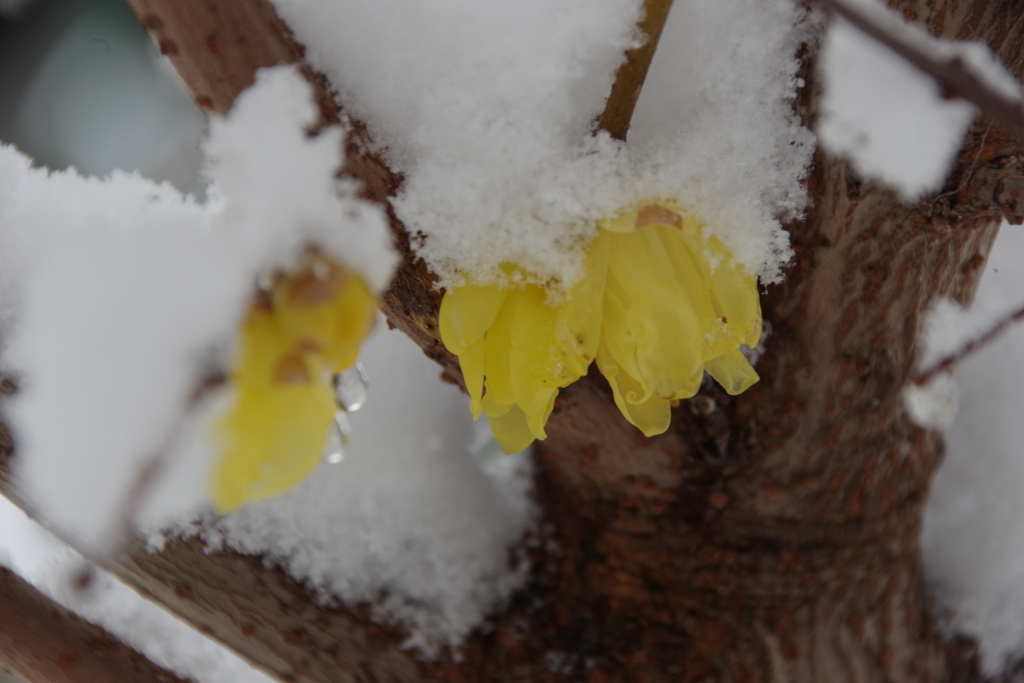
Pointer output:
947, 363
149, 474
629, 79
953, 74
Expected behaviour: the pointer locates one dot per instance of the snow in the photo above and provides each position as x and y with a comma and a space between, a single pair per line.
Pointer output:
934, 405
119, 293
888, 118
486, 110
973, 542
41, 559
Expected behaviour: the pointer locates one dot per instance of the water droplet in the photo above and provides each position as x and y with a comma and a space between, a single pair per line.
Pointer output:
351, 388
338, 439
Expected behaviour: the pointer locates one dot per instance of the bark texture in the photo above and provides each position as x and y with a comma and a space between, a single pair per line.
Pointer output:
768, 537
44, 643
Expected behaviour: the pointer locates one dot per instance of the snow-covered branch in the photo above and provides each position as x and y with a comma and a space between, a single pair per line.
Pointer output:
947, 363
953, 73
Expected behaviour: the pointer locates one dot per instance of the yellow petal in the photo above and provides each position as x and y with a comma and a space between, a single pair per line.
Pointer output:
272, 438
497, 352
327, 310
579, 319
354, 314
490, 407
511, 431
734, 288
537, 361
661, 327
693, 274
471, 361
262, 345
733, 372
467, 312
651, 415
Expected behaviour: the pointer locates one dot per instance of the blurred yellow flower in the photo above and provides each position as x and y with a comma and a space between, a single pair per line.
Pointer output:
658, 305
308, 326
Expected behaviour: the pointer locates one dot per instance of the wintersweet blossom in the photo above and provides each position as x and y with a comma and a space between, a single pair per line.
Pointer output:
302, 329
659, 304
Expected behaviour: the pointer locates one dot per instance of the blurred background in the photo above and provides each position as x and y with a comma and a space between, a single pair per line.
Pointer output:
82, 85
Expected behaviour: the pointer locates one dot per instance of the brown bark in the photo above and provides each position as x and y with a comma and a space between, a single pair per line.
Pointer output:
44, 643
772, 536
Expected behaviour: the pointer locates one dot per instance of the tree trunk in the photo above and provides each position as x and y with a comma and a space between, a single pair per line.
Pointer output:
767, 537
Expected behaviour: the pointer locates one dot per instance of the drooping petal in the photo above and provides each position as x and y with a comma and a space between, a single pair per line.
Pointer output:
272, 438
537, 361
511, 431
579, 318
733, 372
471, 361
660, 316
617, 335
467, 312
354, 313
694, 276
274, 432
651, 415
497, 353
734, 290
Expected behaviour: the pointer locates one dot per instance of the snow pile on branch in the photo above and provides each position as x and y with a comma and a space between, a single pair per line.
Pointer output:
120, 294
487, 107
891, 119
973, 541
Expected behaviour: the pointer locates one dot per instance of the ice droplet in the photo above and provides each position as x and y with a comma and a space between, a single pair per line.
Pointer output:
351, 388
338, 439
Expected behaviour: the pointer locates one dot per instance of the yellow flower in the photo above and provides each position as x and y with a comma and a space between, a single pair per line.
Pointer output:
307, 327
658, 305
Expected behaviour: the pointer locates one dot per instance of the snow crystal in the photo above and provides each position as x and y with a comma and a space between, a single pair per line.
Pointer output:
973, 541
409, 521
889, 118
166, 640
486, 109
124, 292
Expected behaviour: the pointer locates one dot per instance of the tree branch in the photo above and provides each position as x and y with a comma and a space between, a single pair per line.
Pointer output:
629, 79
948, 363
45, 643
953, 74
